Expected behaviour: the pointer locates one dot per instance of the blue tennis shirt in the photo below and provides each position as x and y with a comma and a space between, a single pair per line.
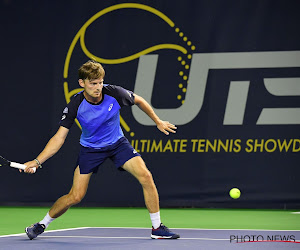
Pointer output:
100, 122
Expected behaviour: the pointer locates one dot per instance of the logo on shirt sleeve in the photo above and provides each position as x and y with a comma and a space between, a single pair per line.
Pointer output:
128, 93
110, 107
66, 110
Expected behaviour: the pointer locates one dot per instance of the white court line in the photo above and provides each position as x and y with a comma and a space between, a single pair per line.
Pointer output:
49, 231
295, 212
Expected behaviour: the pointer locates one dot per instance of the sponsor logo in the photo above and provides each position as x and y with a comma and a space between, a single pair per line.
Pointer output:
110, 107
66, 110
237, 96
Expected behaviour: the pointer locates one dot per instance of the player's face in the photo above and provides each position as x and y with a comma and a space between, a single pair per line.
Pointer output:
93, 88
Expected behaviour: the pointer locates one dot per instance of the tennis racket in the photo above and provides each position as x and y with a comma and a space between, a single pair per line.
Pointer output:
4, 162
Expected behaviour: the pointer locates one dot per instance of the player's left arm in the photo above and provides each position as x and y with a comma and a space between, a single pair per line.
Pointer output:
163, 126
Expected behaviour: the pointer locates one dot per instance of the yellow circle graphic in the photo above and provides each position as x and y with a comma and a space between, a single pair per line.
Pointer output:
80, 37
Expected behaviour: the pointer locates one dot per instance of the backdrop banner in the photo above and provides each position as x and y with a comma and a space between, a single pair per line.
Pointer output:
226, 73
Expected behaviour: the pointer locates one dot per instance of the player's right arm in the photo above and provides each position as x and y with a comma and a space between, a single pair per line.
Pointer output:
56, 142
52, 147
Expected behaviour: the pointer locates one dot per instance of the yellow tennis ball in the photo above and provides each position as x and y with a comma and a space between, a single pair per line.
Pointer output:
235, 193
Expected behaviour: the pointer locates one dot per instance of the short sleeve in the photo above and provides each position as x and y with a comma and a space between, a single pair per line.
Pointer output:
123, 96
69, 113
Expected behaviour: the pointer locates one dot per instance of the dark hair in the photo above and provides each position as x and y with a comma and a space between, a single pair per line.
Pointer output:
91, 70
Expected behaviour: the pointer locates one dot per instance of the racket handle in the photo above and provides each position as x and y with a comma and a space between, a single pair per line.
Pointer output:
20, 166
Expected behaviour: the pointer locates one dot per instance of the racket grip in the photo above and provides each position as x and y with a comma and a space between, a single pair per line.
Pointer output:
20, 166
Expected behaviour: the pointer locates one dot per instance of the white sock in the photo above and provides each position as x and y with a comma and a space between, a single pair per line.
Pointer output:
155, 218
47, 220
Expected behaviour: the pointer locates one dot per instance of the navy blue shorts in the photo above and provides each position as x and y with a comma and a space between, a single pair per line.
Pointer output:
90, 159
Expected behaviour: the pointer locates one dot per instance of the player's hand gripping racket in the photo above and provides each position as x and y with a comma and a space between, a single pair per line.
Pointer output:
4, 162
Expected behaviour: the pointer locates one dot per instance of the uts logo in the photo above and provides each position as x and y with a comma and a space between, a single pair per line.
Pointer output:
196, 68
237, 97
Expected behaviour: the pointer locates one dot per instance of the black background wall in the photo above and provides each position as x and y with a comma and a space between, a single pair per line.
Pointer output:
259, 41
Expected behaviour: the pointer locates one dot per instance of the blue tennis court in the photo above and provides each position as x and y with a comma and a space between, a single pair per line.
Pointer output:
139, 238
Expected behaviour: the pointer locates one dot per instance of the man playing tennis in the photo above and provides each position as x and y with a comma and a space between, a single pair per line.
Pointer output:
97, 110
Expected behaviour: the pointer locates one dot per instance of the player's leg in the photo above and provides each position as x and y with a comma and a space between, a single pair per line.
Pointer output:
76, 194
137, 167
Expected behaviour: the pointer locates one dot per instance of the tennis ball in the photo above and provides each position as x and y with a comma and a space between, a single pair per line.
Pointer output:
235, 193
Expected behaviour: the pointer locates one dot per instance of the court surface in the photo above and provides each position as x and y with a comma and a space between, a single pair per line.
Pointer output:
129, 228
139, 238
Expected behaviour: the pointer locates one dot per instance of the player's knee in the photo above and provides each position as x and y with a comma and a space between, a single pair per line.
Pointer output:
75, 198
146, 178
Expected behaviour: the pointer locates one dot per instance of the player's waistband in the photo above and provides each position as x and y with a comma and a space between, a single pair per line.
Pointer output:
105, 148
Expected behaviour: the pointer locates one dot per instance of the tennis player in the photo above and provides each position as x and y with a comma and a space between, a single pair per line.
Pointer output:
97, 110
